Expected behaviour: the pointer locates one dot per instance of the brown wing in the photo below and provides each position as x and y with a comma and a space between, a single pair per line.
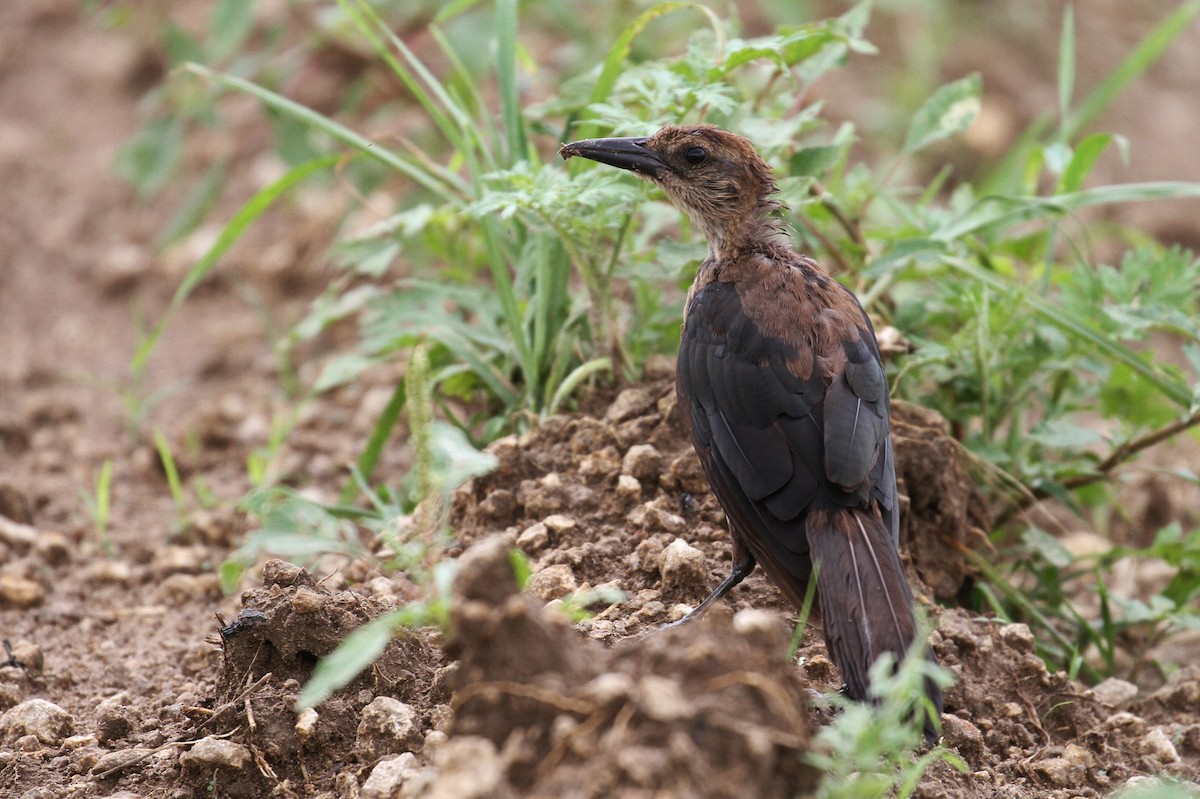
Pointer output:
785, 423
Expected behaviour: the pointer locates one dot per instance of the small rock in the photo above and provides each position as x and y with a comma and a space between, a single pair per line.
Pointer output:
115, 719
534, 538
963, 737
559, 523
1157, 744
119, 759
28, 743
608, 687
387, 726
45, 720
20, 591
179, 559
600, 463
180, 589
552, 582
466, 767
117, 572
29, 655
678, 611
284, 574
306, 724
389, 774
74, 742
216, 753
1059, 771
53, 547
764, 628
1018, 636
307, 601
1115, 692
499, 505
682, 566
1076, 754
663, 699
687, 474
644, 462
628, 487
653, 518
629, 403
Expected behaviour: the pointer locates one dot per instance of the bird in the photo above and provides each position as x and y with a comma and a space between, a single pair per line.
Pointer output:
782, 389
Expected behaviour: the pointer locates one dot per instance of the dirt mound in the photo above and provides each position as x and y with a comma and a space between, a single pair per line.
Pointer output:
602, 497
705, 710
270, 651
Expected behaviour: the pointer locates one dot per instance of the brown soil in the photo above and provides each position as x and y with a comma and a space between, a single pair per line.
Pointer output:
164, 687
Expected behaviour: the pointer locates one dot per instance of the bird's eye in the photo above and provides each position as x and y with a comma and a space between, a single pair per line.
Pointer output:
696, 155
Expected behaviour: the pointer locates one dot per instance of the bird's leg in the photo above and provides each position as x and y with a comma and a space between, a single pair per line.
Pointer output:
743, 564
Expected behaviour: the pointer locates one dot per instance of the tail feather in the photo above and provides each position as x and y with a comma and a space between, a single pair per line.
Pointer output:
866, 604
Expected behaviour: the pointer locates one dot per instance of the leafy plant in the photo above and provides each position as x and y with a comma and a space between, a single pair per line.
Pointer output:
867, 751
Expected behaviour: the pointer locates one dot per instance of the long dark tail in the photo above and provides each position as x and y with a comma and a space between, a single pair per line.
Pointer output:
865, 600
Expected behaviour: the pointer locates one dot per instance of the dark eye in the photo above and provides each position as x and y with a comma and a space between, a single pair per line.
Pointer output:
696, 155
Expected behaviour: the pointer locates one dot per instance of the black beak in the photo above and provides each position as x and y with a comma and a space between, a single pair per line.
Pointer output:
628, 153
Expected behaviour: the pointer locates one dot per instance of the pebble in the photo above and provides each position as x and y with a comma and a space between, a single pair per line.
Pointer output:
48, 722
608, 688
1158, 745
681, 565
631, 402
466, 767
559, 523
119, 759
306, 724
115, 719
177, 559
963, 737
21, 591
552, 582
600, 463
79, 741
212, 752
653, 518
387, 726
29, 655
628, 487
1018, 636
53, 547
534, 538
1115, 692
108, 571
663, 699
1059, 771
644, 462
388, 776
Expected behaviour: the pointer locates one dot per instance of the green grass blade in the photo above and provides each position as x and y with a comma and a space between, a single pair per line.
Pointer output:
409, 168
1001, 211
253, 208
1066, 65
380, 434
577, 376
506, 71
356, 652
1148, 50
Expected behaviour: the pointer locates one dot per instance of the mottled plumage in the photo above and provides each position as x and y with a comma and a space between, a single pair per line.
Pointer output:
782, 388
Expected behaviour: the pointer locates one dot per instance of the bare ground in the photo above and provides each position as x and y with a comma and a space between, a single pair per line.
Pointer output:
118, 628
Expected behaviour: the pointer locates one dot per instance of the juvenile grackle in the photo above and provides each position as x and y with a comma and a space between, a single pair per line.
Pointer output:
781, 386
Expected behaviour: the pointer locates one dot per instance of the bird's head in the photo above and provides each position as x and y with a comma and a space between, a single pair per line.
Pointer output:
714, 176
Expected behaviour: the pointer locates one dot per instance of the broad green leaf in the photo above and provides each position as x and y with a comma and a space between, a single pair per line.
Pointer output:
950, 111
